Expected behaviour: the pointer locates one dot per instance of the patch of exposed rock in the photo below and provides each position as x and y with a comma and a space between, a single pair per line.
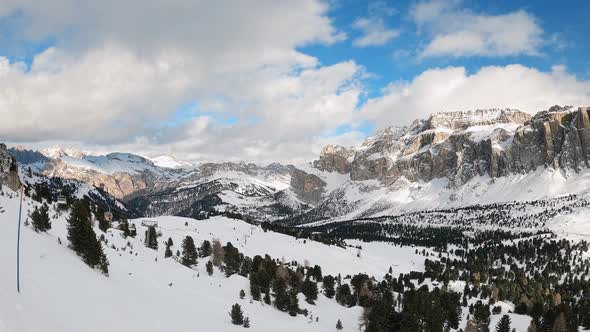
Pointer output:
8, 169
307, 187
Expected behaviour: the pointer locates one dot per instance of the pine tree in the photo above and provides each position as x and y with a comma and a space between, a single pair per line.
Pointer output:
266, 298
310, 290
151, 238
79, 217
242, 294
209, 267
339, 325
189, 252
205, 249
168, 252
40, 218
246, 322
504, 324
328, 284
482, 316
293, 306
236, 314
83, 239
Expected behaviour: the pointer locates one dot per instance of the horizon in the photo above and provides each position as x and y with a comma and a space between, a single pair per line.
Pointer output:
46, 149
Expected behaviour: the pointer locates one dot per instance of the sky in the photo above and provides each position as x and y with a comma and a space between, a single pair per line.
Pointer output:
274, 81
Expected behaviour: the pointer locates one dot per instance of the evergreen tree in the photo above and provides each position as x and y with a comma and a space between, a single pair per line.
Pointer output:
328, 284
209, 267
232, 259
310, 290
83, 239
246, 322
339, 325
266, 298
504, 324
205, 249
189, 252
279, 288
168, 252
344, 296
254, 289
151, 238
293, 306
242, 294
236, 314
482, 316
40, 219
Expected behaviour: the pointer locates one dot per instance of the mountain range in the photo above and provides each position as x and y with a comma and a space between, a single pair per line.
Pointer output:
449, 159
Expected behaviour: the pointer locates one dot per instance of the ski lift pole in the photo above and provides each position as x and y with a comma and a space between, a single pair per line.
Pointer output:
22, 194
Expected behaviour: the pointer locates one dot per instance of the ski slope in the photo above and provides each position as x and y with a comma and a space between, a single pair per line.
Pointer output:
60, 293
147, 292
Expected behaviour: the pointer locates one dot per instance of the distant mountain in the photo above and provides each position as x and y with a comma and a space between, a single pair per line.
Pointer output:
449, 159
168, 161
457, 158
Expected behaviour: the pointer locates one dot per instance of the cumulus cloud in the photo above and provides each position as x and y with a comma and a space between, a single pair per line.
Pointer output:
453, 89
457, 32
373, 30
120, 70
374, 33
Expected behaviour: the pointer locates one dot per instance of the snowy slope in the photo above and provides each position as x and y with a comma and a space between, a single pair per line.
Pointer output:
146, 292
168, 161
360, 199
56, 284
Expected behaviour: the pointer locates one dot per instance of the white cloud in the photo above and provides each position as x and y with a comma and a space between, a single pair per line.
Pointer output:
457, 32
453, 89
374, 32
373, 29
120, 69
111, 98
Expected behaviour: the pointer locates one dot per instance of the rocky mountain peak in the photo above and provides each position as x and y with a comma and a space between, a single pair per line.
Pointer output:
461, 120
56, 152
334, 158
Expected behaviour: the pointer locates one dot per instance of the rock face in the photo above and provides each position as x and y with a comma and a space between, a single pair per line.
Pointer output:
335, 158
308, 187
8, 169
461, 145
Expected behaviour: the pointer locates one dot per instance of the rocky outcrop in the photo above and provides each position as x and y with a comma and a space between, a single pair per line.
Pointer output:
307, 187
8, 169
462, 145
335, 158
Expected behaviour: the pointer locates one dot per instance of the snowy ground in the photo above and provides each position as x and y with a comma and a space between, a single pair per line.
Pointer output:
146, 292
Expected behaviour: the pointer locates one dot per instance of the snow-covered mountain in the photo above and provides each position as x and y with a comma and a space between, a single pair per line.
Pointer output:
168, 161
449, 159
460, 158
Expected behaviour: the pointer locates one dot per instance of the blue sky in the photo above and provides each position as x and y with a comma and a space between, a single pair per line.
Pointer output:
565, 25
275, 81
